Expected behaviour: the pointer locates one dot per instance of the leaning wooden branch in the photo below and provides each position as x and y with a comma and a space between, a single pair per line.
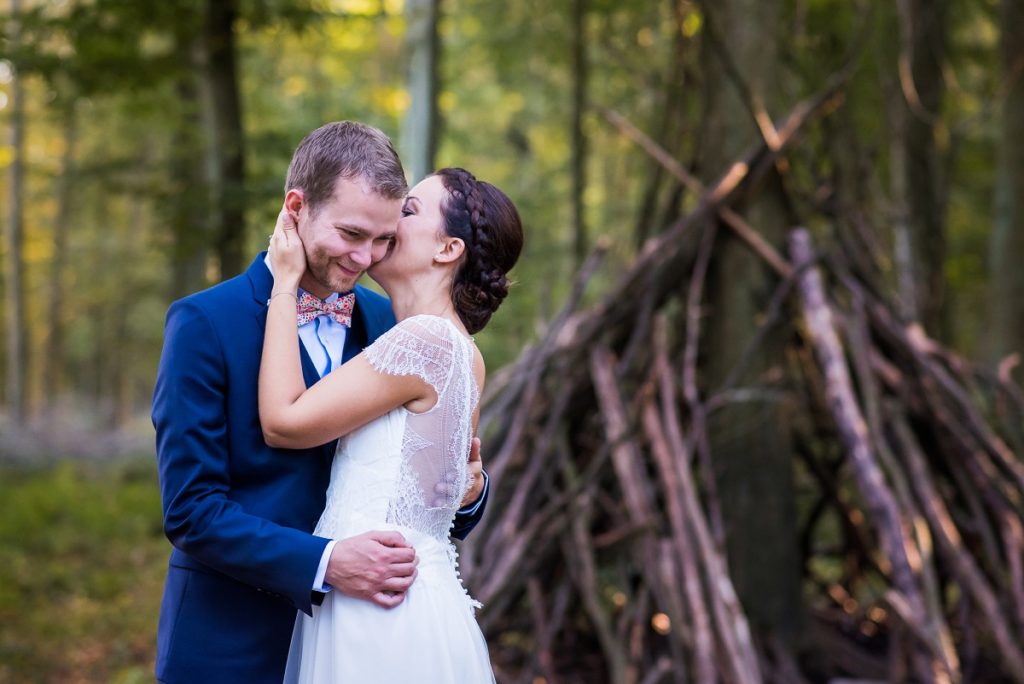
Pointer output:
897, 546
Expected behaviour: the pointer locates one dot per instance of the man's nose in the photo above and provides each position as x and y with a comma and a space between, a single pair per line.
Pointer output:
362, 256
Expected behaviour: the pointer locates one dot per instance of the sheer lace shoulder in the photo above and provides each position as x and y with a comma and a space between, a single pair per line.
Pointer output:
424, 346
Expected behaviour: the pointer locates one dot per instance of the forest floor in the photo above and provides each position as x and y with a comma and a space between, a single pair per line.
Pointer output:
82, 563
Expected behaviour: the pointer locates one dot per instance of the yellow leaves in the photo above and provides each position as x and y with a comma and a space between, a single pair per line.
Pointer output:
367, 8
6, 156
392, 100
447, 101
295, 85
691, 24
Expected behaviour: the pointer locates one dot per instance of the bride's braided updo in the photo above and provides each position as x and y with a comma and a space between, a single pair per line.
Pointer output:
485, 219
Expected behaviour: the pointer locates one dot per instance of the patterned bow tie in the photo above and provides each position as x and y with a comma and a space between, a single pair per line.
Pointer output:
309, 307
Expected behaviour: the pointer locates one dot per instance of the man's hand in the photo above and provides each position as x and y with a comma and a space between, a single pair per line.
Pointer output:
443, 490
476, 475
376, 566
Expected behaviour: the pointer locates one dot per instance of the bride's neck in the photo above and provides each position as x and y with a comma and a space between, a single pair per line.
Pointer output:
412, 299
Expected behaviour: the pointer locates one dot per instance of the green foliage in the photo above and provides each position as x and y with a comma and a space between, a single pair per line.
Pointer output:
82, 562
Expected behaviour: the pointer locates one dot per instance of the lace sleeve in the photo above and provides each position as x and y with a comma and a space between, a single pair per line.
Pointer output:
419, 345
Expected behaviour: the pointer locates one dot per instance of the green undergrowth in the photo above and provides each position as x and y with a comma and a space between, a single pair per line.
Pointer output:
82, 563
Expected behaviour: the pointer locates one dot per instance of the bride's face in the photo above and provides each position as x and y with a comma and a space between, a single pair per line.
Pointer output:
420, 236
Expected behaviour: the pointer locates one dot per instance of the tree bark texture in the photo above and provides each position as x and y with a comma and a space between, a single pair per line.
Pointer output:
1007, 284
924, 30
224, 135
421, 124
16, 390
750, 455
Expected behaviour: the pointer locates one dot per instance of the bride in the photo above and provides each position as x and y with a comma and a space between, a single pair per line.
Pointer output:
407, 407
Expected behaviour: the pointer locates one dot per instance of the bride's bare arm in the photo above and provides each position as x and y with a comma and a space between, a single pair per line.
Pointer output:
295, 417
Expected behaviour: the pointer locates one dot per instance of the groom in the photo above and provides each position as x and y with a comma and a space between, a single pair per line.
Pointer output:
238, 512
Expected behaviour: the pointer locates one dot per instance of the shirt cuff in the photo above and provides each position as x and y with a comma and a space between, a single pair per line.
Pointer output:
471, 510
321, 571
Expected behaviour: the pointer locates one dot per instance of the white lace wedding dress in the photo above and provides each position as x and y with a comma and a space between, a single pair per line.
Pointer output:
384, 477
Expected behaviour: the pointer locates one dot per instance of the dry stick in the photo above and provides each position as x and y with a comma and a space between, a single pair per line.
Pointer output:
580, 557
626, 458
951, 547
698, 413
853, 432
703, 641
978, 440
627, 461
662, 256
511, 519
729, 620
859, 344
983, 473
536, 364
914, 339
628, 466
743, 230
541, 629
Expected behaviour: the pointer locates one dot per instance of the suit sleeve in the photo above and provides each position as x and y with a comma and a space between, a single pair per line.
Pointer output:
200, 518
467, 518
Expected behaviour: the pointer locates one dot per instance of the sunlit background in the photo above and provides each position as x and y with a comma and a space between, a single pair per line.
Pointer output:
138, 185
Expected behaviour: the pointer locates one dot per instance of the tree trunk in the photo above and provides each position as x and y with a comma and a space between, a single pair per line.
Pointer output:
188, 202
14, 285
224, 139
656, 212
749, 446
579, 142
1007, 289
420, 127
924, 31
53, 368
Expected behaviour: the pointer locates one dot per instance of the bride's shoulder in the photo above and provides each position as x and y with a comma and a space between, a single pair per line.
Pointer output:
428, 327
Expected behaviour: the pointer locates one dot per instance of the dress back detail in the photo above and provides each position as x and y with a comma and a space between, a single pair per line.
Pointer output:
432, 477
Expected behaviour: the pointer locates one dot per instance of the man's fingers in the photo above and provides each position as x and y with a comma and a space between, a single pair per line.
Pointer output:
389, 538
474, 450
402, 569
396, 584
401, 556
387, 600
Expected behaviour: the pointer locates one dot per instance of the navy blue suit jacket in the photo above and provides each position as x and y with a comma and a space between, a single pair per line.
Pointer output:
239, 513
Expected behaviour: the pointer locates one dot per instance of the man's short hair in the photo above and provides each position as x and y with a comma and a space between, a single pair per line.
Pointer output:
345, 149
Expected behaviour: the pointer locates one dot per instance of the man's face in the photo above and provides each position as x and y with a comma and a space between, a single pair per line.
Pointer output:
344, 235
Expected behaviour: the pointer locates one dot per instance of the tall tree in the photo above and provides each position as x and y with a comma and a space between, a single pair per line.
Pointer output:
54, 366
420, 127
14, 290
750, 446
578, 38
222, 111
923, 53
1007, 283
188, 201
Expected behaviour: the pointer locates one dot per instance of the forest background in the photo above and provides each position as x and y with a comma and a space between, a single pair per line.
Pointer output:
147, 147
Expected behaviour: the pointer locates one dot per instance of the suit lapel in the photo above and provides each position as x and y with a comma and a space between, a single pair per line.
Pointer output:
262, 283
356, 337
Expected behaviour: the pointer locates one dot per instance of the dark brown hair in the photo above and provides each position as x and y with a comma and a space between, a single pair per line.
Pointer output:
485, 219
345, 149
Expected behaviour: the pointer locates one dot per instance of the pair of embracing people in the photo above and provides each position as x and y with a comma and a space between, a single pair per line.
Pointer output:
314, 438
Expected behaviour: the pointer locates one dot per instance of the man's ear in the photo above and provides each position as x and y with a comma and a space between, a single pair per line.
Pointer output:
451, 250
294, 200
